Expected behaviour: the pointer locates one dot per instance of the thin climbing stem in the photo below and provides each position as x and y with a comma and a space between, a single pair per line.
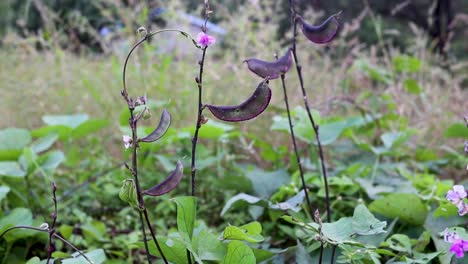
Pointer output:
296, 151
50, 248
199, 81
309, 114
153, 234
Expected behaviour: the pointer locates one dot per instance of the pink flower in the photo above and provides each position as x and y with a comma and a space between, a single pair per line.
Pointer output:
127, 141
462, 208
459, 247
205, 40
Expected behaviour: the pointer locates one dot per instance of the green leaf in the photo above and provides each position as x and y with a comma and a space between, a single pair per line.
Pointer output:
11, 169
66, 231
128, 193
242, 198
265, 183
12, 142
213, 130
406, 206
62, 131
390, 138
237, 253
34, 260
89, 127
52, 160
208, 246
94, 230
457, 130
44, 143
339, 232
17, 217
3, 192
400, 243
365, 223
412, 86
302, 256
71, 121
97, 256
406, 64
186, 215
250, 232
172, 246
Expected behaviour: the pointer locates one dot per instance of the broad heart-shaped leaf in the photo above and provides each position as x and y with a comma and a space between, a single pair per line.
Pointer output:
4, 190
250, 108
186, 215
161, 129
97, 256
302, 256
457, 130
71, 121
172, 246
399, 242
365, 223
169, 184
16, 217
208, 246
406, 206
237, 253
270, 70
265, 183
12, 142
244, 198
250, 232
339, 232
11, 169
322, 33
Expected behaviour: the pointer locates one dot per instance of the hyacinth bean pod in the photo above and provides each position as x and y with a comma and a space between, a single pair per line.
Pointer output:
169, 184
250, 108
161, 129
322, 33
270, 70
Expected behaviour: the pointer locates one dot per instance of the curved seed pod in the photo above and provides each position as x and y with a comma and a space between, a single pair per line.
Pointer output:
270, 70
249, 109
157, 133
322, 33
169, 183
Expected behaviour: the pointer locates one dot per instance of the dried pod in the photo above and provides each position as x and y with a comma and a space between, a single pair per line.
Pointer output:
169, 183
270, 70
157, 133
322, 33
249, 109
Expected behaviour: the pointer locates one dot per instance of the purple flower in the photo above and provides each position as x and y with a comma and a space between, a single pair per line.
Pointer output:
450, 237
462, 208
457, 194
127, 141
141, 100
459, 247
205, 40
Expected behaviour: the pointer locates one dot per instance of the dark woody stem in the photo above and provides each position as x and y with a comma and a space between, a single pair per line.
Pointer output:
199, 81
50, 248
296, 151
312, 121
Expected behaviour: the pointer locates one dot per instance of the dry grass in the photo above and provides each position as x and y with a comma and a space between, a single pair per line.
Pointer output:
57, 82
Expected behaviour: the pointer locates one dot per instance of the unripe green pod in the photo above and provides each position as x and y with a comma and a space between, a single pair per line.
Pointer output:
128, 193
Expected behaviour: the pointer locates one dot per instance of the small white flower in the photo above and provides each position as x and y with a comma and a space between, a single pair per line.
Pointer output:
127, 141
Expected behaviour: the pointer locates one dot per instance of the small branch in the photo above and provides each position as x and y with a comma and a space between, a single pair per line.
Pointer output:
296, 151
50, 248
72, 246
153, 234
